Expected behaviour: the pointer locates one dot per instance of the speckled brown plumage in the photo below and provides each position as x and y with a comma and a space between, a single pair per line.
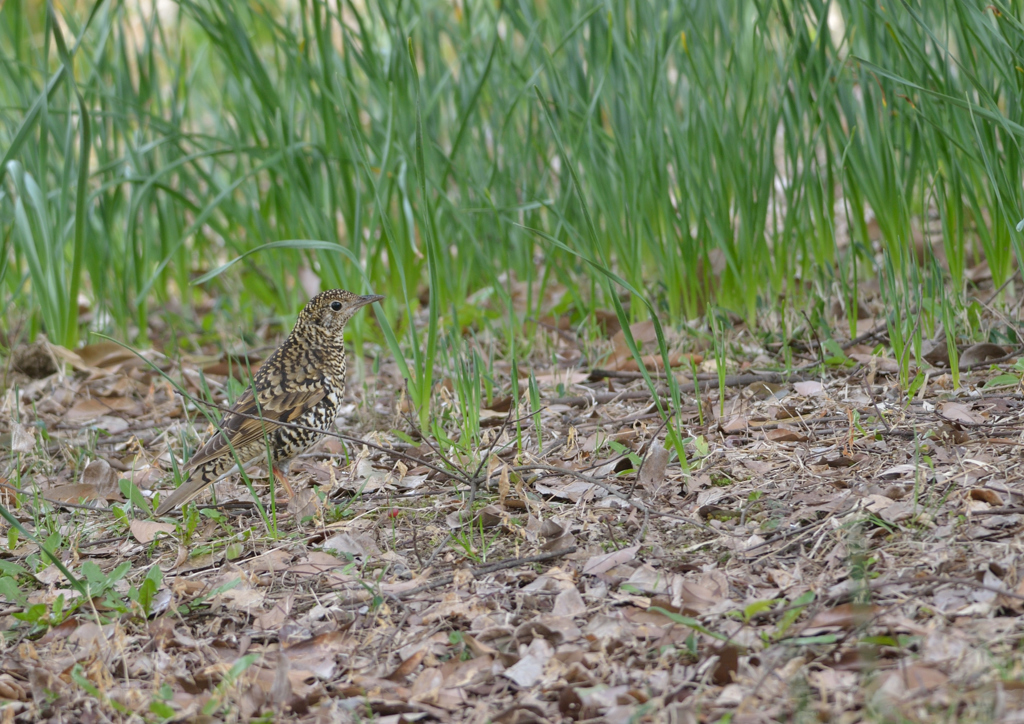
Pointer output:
301, 382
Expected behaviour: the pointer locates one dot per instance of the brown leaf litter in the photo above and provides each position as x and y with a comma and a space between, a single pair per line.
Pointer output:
830, 549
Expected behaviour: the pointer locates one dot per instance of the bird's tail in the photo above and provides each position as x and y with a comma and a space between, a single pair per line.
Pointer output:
193, 486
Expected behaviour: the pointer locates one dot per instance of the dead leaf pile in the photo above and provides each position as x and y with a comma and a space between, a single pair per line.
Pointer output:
827, 547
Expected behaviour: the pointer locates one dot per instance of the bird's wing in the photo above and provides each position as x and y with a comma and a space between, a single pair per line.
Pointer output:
268, 411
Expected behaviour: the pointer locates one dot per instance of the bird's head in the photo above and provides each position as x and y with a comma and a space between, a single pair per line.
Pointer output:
327, 312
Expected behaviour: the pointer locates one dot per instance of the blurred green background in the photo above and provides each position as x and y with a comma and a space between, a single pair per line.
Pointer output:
772, 159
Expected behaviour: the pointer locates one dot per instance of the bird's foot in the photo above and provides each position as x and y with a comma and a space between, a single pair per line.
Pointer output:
280, 477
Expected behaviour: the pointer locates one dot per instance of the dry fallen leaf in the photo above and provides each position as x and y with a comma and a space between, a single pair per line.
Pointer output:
146, 531
304, 504
958, 412
105, 355
606, 561
528, 670
881, 364
738, 423
81, 493
783, 434
93, 407
727, 666
809, 388
408, 665
317, 654
101, 476
652, 473
242, 597
22, 439
843, 616
984, 494
569, 603
910, 681
978, 354
273, 619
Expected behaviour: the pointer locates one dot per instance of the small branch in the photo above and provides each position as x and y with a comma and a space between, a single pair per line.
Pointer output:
601, 484
59, 503
476, 573
711, 383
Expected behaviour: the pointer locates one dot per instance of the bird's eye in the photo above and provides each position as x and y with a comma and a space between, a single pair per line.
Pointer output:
336, 306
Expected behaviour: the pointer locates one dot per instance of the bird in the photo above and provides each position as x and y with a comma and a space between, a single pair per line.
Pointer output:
300, 383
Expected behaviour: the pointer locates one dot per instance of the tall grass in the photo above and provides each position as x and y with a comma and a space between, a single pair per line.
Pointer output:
720, 148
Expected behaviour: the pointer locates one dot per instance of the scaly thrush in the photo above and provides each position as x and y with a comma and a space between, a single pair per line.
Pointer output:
300, 383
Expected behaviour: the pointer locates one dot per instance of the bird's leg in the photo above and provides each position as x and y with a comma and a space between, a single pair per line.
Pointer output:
280, 477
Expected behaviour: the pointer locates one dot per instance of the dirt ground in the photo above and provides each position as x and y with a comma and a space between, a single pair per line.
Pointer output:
830, 551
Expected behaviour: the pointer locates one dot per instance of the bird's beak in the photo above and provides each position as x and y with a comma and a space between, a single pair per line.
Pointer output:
369, 299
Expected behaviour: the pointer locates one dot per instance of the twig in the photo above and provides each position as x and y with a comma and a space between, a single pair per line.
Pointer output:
877, 585
433, 447
878, 328
416, 547
709, 384
567, 336
1001, 287
646, 414
871, 333
601, 484
513, 562
597, 374
1006, 510
874, 403
643, 460
436, 552
995, 360
59, 503
486, 456
476, 573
